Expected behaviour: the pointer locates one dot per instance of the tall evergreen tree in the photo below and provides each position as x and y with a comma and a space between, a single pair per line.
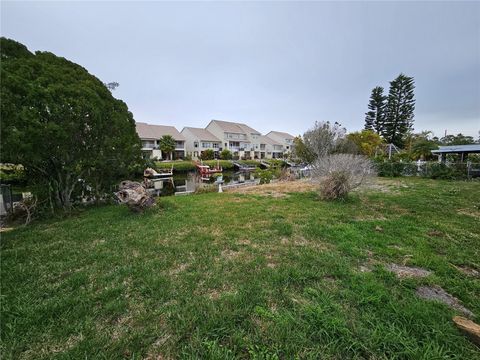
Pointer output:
375, 117
399, 112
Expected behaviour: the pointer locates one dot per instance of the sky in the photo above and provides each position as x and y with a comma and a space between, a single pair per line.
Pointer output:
272, 65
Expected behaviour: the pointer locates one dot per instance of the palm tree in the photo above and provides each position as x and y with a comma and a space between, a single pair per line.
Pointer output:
167, 144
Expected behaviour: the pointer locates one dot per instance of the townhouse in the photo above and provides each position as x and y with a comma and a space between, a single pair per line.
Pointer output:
150, 136
243, 141
282, 138
197, 140
240, 139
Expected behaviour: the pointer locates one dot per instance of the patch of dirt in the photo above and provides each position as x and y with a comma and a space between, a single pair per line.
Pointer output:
230, 254
467, 270
277, 189
369, 218
364, 269
438, 294
407, 271
469, 212
435, 233
177, 269
215, 294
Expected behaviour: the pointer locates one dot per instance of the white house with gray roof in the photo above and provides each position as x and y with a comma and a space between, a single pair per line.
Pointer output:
242, 140
150, 136
197, 140
283, 138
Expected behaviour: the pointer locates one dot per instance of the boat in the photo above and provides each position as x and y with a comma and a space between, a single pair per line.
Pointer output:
207, 170
150, 173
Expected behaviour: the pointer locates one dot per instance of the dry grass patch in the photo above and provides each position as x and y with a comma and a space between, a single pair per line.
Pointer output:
469, 212
277, 189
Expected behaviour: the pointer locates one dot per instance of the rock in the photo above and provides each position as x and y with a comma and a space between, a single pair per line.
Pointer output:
437, 293
469, 328
407, 271
135, 196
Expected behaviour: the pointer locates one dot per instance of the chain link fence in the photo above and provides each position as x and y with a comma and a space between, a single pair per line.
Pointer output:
429, 169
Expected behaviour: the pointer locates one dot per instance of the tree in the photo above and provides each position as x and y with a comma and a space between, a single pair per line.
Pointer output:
375, 117
367, 141
458, 139
399, 112
167, 144
208, 154
226, 154
301, 151
63, 125
323, 138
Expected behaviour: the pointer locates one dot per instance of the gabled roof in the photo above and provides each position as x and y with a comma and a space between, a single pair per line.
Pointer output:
458, 149
284, 135
149, 131
268, 140
236, 128
202, 134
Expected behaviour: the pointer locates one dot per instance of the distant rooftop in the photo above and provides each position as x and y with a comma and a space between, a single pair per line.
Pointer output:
281, 134
202, 134
236, 128
268, 140
149, 131
473, 148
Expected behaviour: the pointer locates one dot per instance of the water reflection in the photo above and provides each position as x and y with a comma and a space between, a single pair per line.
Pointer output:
185, 183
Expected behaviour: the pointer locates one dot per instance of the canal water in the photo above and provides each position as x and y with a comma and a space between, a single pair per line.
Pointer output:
189, 182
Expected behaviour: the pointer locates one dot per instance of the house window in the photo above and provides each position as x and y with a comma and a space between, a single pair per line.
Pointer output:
195, 144
206, 145
216, 145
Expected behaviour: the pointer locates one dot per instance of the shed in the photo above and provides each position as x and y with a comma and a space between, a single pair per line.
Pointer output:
462, 150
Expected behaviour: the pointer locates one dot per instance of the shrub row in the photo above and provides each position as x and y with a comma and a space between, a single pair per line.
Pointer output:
428, 170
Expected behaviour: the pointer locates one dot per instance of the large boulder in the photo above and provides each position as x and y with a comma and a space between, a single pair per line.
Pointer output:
135, 196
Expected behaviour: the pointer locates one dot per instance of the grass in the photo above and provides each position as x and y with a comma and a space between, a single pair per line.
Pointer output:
224, 276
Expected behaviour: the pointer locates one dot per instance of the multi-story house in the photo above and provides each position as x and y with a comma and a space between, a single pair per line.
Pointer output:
243, 141
284, 139
273, 149
150, 136
198, 140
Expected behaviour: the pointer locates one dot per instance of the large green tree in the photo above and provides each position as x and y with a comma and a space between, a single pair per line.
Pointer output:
375, 117
167, 144
368, 142
63, 125
400, 110
458, 139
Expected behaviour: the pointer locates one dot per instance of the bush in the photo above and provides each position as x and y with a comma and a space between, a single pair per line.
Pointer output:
338, 174
267, 175
392, 168
225, 164
446, 172
226, 154
208, 154
180, 166
12, 174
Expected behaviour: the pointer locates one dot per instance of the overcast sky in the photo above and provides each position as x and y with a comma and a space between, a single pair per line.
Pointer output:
271, 65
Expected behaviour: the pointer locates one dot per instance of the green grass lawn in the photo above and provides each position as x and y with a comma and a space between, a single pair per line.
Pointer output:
223, 276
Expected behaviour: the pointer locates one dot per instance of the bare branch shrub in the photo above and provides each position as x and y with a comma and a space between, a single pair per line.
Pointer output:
323, 139
338, 174
25, 209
